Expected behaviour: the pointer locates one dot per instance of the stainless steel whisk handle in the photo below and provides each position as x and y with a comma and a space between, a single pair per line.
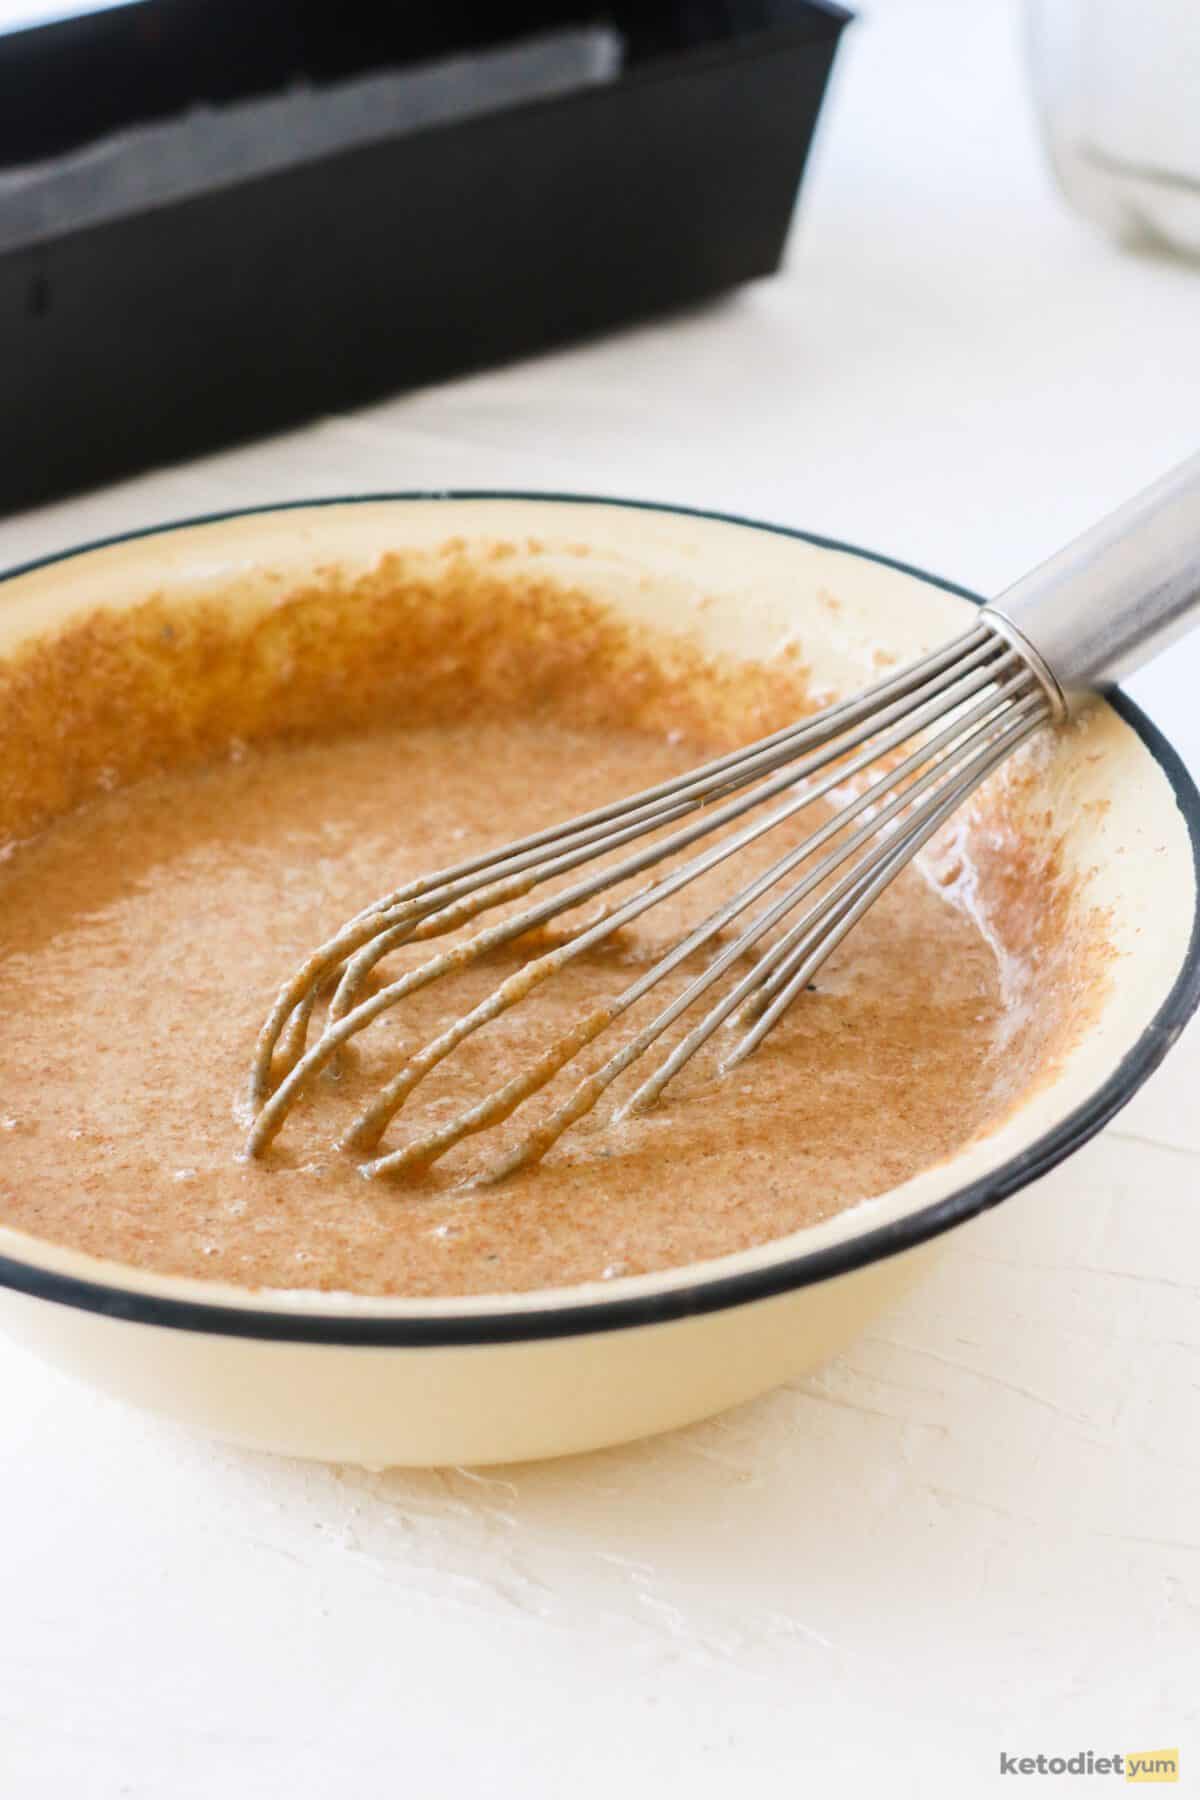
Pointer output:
1111, 599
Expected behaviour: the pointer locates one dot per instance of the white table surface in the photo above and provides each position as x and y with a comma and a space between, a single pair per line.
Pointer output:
977, 1531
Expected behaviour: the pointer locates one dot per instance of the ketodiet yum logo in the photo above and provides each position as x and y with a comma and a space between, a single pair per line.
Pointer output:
1126, 1765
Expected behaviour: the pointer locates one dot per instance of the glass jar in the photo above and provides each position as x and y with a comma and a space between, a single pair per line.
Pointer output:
1118, 87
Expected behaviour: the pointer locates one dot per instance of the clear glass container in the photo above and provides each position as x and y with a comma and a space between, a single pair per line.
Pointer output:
1118, 87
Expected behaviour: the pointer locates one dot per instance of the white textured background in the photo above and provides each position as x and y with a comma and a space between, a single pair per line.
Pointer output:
980, 1529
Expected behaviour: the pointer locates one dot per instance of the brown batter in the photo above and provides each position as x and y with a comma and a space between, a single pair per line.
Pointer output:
144, 932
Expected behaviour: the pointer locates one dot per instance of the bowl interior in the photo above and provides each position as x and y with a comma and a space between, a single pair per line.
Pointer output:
1097, 791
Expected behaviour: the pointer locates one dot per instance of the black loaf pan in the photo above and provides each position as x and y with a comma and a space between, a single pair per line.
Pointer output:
218, 218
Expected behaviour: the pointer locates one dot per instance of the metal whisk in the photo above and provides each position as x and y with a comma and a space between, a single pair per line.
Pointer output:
908, 752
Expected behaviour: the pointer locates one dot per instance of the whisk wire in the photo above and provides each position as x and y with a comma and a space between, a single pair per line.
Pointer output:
935, 729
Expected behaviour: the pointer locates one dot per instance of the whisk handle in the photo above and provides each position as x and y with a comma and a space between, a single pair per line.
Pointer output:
1114, 597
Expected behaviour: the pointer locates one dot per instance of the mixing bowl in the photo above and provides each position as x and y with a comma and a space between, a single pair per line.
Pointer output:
500, 1377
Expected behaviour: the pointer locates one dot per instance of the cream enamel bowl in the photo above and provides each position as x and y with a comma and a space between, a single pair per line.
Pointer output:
503, 1377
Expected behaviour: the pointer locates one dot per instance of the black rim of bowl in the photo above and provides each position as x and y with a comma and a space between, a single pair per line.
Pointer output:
499, 1325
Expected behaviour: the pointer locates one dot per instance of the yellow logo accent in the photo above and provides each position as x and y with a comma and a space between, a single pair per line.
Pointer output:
1152, 1765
